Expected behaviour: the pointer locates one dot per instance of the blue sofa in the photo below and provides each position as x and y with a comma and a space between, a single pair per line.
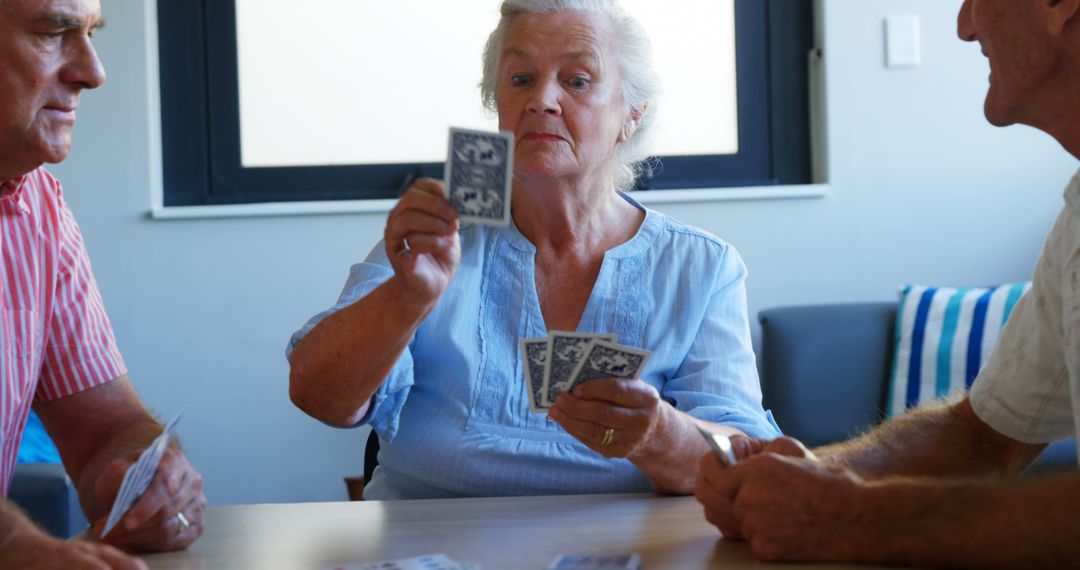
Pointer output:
825, 371
45, 492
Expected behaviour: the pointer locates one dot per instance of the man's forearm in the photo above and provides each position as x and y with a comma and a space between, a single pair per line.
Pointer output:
943, 441
977, 524
15, 527
128, 439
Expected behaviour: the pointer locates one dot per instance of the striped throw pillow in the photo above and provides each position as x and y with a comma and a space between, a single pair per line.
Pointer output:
943, 335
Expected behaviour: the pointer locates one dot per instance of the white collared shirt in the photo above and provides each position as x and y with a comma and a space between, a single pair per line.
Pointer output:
1030, 387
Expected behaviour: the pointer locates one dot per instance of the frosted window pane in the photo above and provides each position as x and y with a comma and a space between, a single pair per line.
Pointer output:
326, 82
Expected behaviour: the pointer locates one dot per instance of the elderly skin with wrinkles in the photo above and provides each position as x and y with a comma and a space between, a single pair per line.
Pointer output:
938, 486
423, 344
58, 350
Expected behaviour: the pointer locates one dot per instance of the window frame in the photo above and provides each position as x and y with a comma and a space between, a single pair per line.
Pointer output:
200, 116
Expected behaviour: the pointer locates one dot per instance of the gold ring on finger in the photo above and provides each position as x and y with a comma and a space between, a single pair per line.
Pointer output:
609, 437
183, 523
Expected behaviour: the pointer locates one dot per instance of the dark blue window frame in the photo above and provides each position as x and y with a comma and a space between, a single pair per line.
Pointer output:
201, 116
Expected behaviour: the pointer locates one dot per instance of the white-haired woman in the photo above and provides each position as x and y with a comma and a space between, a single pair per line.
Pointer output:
423, 343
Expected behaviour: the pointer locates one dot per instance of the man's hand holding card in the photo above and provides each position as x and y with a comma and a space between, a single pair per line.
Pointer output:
722, 472
156, 497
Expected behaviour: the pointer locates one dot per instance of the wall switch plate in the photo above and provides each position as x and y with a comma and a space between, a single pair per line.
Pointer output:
902, 41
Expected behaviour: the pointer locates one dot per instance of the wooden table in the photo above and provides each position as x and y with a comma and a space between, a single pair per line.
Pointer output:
516, 533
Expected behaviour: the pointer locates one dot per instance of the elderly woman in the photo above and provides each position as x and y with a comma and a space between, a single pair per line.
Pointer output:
423, 343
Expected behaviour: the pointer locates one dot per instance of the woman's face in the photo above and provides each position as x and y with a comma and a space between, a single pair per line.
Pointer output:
559, 93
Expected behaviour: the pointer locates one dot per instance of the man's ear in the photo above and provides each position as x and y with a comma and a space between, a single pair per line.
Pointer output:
1061, 15
633, 119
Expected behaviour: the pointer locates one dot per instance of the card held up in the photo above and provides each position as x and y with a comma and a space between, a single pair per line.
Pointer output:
479, 170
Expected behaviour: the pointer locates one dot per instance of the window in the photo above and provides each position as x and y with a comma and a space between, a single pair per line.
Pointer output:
277, 100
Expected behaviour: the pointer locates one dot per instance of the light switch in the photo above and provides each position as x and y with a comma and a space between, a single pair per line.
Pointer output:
902, 41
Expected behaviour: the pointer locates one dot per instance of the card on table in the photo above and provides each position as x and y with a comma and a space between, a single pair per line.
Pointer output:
605, 359
139, 476
596, 562
426, 562
564, 353
721, 444
479, 169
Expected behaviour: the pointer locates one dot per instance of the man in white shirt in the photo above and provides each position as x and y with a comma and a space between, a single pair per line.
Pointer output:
938, 486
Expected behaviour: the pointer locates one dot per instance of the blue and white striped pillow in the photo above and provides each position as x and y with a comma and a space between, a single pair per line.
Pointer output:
943, 335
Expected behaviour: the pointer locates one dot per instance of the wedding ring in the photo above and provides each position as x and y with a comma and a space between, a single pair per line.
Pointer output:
405, 249
184, 524
609, 436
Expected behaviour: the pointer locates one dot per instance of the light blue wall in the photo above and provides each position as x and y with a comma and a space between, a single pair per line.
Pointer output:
921, 189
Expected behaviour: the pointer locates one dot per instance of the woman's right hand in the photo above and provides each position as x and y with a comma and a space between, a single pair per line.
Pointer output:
422, 241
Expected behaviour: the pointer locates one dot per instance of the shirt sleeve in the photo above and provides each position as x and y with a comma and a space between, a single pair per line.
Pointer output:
80, 350
388, 400
717, 380
1023, 391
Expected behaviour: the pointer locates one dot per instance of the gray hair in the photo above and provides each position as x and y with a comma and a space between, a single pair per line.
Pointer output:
640, 82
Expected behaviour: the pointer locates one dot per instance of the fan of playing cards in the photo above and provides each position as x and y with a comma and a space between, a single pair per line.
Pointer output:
564, 360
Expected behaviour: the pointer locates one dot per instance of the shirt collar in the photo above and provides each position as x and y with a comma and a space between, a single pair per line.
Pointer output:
11, 191
11, 188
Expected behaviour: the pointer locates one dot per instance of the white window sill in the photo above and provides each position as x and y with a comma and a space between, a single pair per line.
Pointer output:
701, 195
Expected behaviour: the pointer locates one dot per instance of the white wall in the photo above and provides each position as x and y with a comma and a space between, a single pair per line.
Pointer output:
921, 189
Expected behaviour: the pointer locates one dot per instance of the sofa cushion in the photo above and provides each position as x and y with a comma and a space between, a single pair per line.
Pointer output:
47, 495
942, 337
825, 368
36, 445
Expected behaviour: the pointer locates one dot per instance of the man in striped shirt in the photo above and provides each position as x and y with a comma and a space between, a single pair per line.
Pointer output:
57, 350
937, 486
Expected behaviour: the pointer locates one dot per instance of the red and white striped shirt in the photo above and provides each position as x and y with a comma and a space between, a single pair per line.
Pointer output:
55, 338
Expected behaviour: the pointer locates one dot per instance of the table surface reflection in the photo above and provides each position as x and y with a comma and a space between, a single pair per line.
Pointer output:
503, 533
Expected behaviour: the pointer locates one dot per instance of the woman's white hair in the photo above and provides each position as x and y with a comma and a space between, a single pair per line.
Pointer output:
640, 82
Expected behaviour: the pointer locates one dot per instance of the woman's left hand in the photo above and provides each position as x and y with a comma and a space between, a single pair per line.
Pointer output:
632, 409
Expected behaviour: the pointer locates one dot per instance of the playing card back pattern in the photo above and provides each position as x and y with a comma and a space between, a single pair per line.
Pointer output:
564, 354
607, 360
478, 172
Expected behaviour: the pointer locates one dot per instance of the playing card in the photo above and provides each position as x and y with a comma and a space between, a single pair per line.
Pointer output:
609, 360
565, 351
426, 562
478, 174
139, 476
534, 352
721, 444
591, 562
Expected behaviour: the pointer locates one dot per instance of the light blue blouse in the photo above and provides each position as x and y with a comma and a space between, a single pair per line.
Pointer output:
453, 416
